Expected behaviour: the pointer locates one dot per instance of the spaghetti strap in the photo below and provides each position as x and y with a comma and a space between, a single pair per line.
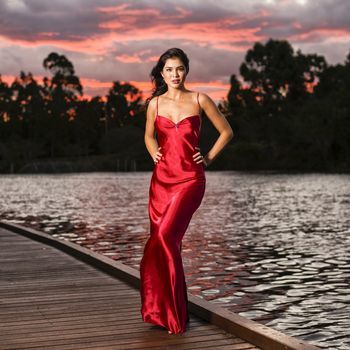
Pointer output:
157, 104
198, 103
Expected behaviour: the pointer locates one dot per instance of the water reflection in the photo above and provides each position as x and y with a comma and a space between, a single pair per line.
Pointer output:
271, 247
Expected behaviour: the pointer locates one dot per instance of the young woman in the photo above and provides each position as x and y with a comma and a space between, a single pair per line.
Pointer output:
177, 185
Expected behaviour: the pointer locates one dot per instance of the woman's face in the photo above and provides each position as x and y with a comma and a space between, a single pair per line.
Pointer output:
174, 72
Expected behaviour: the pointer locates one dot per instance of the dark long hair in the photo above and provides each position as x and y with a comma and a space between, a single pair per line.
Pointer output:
159, 85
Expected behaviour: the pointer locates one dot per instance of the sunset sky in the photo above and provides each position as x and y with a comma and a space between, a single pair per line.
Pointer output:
122, 40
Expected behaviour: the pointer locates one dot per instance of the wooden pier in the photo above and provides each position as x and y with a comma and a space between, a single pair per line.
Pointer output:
57, 295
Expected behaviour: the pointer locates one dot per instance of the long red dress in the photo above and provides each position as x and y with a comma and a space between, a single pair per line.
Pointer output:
176, 191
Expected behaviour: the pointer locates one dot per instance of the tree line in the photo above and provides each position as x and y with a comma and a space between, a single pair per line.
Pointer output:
289, 111
292, 111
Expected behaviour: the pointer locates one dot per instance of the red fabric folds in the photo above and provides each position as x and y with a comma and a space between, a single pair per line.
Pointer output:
176, 191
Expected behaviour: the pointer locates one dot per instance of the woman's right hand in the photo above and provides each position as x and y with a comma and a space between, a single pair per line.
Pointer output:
157, 156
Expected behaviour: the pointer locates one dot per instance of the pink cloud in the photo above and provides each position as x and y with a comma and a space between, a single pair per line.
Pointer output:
321, 34
90, 45
128, 58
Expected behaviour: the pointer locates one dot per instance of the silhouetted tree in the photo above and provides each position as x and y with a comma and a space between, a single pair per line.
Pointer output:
87, 127
332, 96
294, 109
123, 102
5, 105
63, 91
5, 100
275, 73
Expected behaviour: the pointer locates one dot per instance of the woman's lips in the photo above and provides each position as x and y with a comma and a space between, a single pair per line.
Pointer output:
176, 81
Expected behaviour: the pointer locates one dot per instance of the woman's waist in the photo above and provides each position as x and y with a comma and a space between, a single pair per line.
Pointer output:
183, 152
181, 161
175, 174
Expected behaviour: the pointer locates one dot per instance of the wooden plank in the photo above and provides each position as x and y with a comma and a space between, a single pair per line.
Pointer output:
44, 305
52, 300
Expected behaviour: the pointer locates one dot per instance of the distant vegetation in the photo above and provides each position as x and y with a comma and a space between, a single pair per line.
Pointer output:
290, 112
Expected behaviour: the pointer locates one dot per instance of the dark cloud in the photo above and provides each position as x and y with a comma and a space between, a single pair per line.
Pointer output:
68, 20
290, 19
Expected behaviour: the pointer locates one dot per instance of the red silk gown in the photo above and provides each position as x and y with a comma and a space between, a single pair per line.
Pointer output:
176, 191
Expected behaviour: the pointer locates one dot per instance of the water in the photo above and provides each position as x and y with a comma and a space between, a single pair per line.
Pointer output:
271, 247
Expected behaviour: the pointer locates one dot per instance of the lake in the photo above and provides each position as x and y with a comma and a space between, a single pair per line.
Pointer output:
272, 247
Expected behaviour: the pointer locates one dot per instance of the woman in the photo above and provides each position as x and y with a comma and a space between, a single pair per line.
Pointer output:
177, 186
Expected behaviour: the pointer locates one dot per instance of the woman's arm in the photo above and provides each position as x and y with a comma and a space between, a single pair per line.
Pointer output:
150, 139
220, 123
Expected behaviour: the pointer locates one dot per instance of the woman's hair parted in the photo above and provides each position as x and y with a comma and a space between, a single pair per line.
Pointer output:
159, 85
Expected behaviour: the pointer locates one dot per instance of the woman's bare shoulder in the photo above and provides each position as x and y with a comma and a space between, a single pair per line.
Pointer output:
152, 103
203, 98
